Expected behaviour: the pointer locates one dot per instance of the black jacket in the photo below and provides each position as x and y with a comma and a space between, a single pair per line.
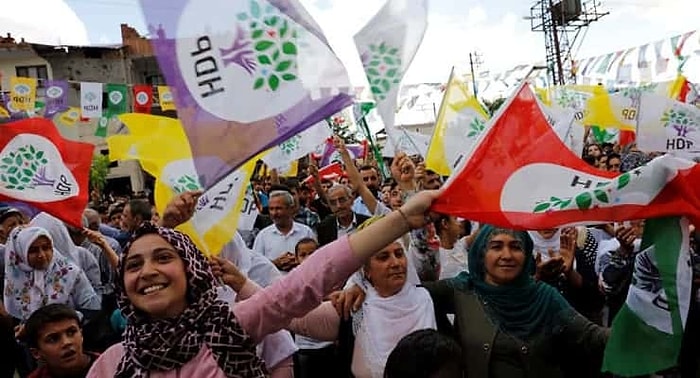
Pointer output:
327, 230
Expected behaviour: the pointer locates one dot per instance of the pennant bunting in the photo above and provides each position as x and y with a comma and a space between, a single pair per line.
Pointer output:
511, 180
143, 98
116, 99
22, 94
657, 304
387, 45
214, 53
102, 126
90, 100
39, 167
56, 97
165, 98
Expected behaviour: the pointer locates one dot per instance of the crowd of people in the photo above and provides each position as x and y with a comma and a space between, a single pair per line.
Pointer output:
347, 276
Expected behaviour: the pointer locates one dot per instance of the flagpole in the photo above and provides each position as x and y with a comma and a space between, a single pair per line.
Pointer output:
362, 122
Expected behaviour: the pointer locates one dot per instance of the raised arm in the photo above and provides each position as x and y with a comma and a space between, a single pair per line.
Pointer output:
326, 270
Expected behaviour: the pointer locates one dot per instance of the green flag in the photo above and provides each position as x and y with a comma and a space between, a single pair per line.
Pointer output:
116, 99
647, 332
102, 126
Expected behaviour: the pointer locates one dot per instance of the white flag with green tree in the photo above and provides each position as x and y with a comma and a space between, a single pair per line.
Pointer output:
647, 332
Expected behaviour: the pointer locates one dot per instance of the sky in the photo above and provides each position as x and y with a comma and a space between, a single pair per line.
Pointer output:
497, 30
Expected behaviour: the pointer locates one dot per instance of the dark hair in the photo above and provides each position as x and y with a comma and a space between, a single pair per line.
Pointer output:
614, 156
304, 241
367, 168
438, 222
141, 208
48, 314
590, 160
425, 353
280, 187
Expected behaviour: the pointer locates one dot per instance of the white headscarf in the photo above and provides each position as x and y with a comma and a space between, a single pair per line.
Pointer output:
384, 321
27, 289
63, 243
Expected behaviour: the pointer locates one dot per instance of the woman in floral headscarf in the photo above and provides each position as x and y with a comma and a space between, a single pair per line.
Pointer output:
176, 326
37, 275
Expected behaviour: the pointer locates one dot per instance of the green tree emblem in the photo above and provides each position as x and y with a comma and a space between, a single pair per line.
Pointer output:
24, 169
273, 46
186, 183
476, 126
599, 196
383, 68
290, 145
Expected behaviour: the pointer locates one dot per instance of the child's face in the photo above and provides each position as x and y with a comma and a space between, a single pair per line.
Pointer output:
60, 346
305, 250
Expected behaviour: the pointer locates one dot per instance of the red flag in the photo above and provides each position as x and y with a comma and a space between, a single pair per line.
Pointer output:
143, 98
40, 168
329, 172
520, 175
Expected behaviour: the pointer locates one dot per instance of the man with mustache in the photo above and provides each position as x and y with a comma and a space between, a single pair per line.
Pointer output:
55, 339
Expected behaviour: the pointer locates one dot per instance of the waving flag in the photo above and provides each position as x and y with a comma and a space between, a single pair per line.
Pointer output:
296, 147
668, 125
387, 45
459, 124
331, 155
218, 209
520, 175
245, 75
39, 167
657, 303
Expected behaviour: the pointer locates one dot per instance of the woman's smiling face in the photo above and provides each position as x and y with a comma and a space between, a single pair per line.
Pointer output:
154, 277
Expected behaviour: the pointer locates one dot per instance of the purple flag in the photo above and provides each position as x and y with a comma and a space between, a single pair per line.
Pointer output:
56, 97
245, 75
332, 155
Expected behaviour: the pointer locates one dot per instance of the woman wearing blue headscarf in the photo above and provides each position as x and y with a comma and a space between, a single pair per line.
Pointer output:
509, 324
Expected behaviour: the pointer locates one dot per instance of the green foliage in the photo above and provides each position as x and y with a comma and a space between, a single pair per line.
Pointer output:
99, 170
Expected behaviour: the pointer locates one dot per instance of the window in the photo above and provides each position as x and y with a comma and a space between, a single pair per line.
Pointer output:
37, 72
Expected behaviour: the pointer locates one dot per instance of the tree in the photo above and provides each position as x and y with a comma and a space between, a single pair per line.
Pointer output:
99, 170
341, 127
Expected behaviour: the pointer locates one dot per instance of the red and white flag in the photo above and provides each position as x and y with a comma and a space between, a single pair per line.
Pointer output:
520, 175
40, 168
330, 172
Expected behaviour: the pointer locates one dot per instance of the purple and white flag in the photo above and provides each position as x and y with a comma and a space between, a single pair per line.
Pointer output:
332, 155
56, 97
245, 75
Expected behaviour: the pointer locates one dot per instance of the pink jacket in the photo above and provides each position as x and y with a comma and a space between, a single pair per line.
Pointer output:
266, 312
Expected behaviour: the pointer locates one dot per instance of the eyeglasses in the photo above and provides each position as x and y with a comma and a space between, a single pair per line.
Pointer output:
339, 201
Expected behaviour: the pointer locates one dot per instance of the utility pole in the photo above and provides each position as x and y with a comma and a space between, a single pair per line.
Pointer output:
474, 60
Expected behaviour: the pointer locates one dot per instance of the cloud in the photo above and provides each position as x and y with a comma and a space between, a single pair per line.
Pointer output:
43, 21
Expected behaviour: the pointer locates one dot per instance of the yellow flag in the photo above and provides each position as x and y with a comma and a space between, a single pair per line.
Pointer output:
165, 97
460, 121
218, 210
610, 111
4, 113
22, 93
70, 116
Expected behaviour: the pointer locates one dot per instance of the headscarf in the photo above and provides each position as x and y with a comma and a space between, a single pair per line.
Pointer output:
28, 289
383, 321
167, 344
522, 308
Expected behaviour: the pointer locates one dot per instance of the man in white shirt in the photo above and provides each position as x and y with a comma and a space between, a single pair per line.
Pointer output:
277, 241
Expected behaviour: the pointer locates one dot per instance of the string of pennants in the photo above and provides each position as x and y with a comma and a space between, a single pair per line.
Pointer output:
97, 100
640, 64
652, 62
